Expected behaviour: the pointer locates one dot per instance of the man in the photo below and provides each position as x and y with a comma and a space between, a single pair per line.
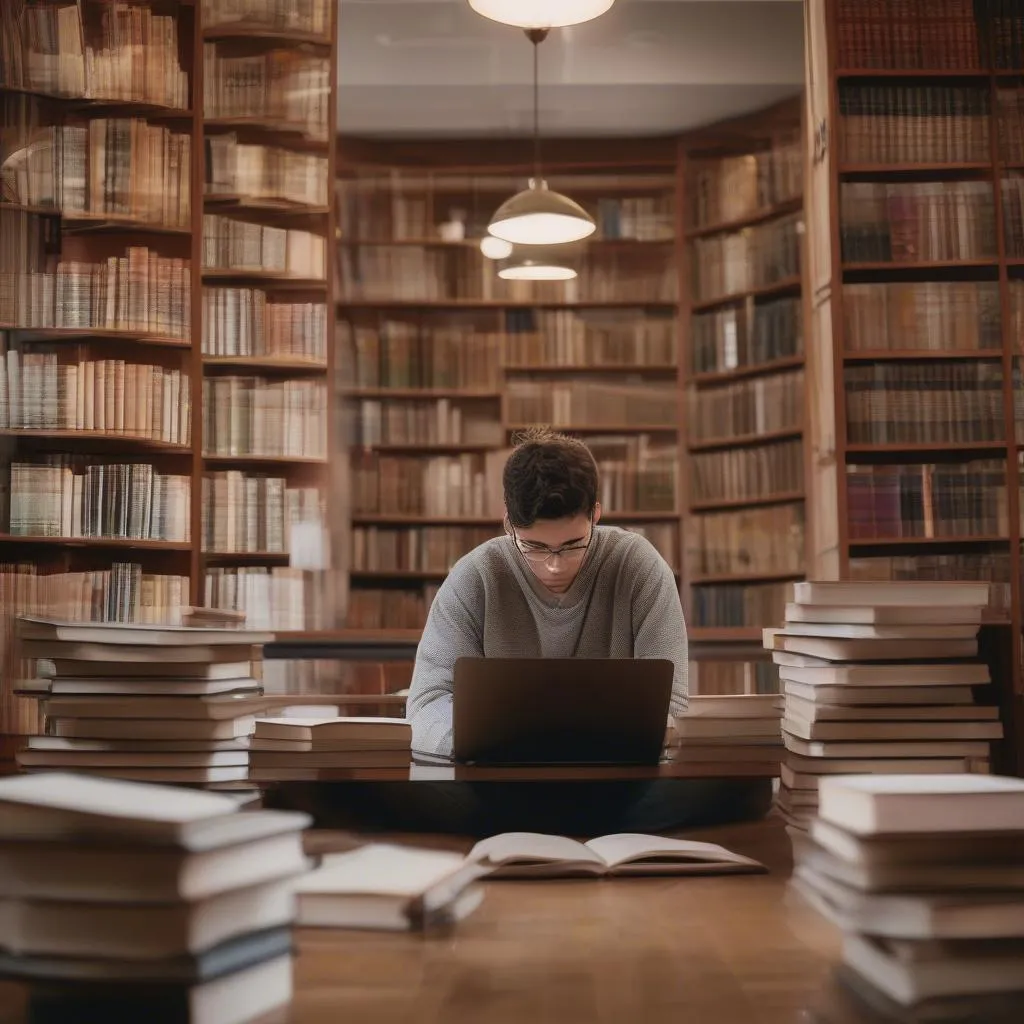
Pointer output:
557, 585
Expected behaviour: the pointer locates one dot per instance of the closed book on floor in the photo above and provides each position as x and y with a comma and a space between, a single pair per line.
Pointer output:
537, 855
137, 633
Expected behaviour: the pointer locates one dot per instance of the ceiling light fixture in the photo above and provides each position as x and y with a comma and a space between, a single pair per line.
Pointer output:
495, 248
541, 13
538, 263
538, 215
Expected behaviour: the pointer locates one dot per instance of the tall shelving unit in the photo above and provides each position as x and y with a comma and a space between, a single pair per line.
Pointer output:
916, 271
113, 155
445, 363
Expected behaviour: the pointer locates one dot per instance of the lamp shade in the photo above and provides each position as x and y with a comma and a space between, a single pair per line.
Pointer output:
539, 263
495, 248
541, 13
539, 216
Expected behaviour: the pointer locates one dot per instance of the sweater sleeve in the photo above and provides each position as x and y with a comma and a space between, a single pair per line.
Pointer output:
659, 630
454, 630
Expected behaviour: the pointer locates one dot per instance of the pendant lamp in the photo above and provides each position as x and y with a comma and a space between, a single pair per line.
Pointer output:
539, 215
541, 13
538, 263
495, 248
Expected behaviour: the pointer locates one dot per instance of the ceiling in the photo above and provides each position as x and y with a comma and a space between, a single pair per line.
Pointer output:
434, 68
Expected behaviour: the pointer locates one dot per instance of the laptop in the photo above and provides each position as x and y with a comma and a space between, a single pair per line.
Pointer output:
560, 711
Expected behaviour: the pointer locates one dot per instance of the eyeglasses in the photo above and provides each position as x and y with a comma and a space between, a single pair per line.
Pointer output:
541, 554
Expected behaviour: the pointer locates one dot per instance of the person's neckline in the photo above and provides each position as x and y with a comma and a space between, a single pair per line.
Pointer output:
578, 589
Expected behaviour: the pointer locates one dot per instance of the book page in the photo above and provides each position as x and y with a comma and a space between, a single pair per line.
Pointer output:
629, 846
530, 847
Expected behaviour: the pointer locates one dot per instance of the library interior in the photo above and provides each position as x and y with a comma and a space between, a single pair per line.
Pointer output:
498, 520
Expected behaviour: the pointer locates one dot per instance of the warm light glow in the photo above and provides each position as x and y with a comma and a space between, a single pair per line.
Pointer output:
541, 13
495, 248
536, 272
538, 216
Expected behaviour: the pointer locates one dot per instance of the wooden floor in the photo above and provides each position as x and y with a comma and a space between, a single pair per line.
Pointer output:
727, 950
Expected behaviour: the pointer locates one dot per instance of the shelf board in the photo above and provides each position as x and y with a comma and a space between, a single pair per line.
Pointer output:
746, 440
344, 304
282, 460
295, 134
265, 363
911, 73
241, 30
81, 223
76, 335
275, 278
252, 557
902, 355
750, 370
752, 577
915, 168
662, 369
891, 542
412, 393
411, 575
474, 243
98, 542
781, 498
765, 291
601, 428
415, 448
747, 220
97, 435
414, 519
925, 447
278, 207
877, 266
367, 636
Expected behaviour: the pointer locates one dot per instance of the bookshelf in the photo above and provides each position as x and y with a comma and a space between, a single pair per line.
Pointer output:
914, 284
166, 288
744, 509
444, 362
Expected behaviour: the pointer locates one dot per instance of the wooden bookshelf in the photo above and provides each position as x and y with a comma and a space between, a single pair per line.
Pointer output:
903, 315
118, 246
742, 380
447, 363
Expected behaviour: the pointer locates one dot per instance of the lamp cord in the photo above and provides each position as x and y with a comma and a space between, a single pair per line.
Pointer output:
536, 36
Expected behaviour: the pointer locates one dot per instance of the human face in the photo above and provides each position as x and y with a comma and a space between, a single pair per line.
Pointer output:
554, 549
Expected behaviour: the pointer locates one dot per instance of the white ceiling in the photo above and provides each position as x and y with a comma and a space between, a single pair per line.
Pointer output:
434, 68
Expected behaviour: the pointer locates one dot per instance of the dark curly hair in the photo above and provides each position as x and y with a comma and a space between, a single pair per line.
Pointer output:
548, 476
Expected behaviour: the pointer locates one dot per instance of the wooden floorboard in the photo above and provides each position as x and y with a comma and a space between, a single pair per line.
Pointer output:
725, 950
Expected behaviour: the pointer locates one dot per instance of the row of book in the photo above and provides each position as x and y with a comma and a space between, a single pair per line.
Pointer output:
942, 500
109, 167
756, 541
65, 496
925, 403
911, 222
253, 416
746, 335
230, 244
432, 273
270, 598
123, 53
445, 421
286, 87
392, 608
731, 188
927, 316
417, 207
730, 605
591, 403
742, 261
139, 291
456, 353
742, 408
883, 124
312, 16
747, 474
727, 678
254, 512
44, 391
1013, 214
248, 322
248, 172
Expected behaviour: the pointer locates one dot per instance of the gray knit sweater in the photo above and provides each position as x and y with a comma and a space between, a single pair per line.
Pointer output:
624, 603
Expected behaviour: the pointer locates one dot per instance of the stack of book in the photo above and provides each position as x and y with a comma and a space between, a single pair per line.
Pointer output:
731, 728
123, 901
167, 704
877, 678
293, 747
924, 875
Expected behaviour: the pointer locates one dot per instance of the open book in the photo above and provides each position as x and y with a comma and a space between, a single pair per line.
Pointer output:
536, 855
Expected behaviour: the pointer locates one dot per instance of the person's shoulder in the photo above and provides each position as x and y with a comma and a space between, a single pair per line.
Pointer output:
482, 562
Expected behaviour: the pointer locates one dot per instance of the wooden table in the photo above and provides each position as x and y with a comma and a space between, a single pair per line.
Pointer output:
725, 950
